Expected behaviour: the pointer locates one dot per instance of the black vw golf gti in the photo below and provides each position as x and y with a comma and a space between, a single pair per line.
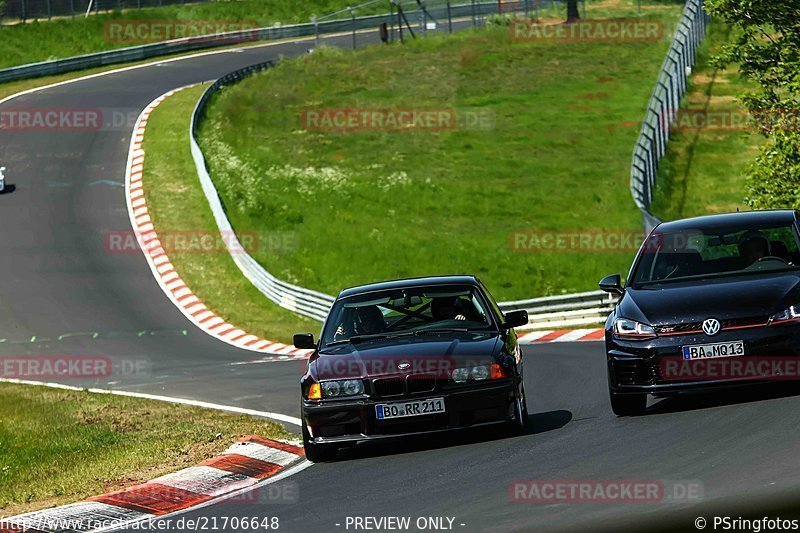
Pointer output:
709, 301
411, 357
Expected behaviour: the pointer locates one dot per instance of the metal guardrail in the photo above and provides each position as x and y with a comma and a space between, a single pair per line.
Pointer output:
663, 105
474, 9
584, 308
547, 312
303, 301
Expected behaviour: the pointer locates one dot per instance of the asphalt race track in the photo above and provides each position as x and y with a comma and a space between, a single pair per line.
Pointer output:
58, 280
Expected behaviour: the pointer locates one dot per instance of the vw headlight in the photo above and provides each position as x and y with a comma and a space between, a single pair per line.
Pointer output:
633, 329
343, 387
791, 313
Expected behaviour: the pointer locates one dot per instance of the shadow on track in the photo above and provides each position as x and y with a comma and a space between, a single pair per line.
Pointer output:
746, 393
537, 424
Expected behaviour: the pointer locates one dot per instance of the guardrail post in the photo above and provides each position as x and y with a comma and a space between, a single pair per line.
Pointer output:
474, 20
353, 22
316, 31
449, 18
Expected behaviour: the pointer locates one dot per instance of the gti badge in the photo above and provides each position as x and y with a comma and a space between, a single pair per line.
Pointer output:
403, 366
711, 326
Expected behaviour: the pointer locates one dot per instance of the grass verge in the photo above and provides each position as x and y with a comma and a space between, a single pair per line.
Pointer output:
703, 171
59, 446
60, 38
176, 204
369, 205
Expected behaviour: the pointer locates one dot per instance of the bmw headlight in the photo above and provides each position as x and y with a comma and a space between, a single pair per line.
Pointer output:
480, 373
342, 387
633, 329
477, 373
460, 375
791, 313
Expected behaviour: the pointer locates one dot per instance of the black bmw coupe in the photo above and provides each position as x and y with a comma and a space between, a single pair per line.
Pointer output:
709, 301
411, 357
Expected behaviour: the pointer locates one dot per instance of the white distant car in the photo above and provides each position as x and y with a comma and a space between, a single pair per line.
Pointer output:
2, 179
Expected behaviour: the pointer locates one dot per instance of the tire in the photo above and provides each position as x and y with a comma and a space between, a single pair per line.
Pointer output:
520, 422
628, 404
317, 453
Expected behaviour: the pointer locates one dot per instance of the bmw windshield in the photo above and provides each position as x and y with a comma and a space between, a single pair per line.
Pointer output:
405, 312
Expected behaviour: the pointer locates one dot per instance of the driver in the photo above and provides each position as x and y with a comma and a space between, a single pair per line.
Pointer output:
369, 320
360, 321
753, 246
446, 309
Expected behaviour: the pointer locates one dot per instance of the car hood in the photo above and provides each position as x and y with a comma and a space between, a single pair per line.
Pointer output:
422, 354
742, 296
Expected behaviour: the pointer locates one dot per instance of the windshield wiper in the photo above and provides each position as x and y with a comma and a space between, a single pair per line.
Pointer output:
361, 338
441, 330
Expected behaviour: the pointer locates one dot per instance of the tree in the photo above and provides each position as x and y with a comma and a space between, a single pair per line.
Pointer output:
572, 11
767, 50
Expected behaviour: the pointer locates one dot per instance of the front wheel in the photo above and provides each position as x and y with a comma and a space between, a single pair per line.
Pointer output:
317, 453
520, 411
628, 404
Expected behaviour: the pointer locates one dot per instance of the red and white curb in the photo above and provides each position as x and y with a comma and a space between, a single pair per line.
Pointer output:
231, 474
561, 335
163, 270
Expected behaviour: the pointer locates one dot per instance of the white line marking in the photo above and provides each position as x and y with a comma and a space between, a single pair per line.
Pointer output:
156, 63
180, 401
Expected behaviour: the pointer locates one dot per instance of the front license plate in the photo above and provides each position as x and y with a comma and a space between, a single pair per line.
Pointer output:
384, 411
710, 351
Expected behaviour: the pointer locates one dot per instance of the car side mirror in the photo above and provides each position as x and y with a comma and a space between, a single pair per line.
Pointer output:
515, 319
612, 284
304, 341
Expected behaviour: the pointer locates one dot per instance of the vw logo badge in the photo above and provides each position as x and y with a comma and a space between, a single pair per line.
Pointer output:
404, 366
711, 326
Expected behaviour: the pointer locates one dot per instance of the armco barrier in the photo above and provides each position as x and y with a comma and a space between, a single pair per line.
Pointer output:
663, 105
547, 312
303, 301
189, 44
